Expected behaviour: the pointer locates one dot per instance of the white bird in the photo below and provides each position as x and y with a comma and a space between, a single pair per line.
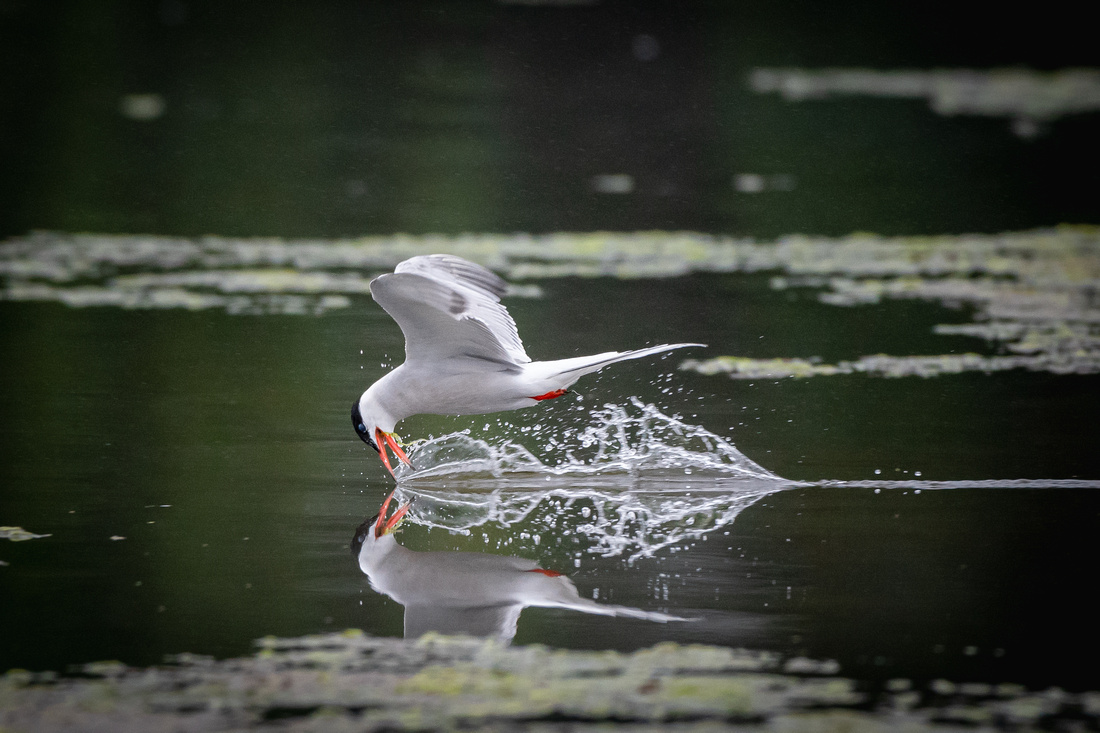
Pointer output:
463, 354
466, 592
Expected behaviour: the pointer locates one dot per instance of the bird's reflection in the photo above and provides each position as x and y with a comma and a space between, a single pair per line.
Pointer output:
466, 592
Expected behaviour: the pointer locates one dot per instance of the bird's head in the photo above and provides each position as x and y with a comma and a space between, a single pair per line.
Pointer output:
362, 429
366, 427
371, 532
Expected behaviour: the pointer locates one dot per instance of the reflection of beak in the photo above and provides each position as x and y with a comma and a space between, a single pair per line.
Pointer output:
383, 526
382, 440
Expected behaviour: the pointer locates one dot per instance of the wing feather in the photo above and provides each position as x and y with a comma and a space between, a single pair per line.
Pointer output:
448, 308
448, 268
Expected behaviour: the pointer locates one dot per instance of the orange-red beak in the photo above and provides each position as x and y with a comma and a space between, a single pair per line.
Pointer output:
384, 526
386, 439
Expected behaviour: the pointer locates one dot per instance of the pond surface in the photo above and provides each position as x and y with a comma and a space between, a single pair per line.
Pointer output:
192, 468
886, 456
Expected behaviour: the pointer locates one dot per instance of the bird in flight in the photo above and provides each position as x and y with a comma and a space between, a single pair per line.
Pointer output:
470, 593
463, 354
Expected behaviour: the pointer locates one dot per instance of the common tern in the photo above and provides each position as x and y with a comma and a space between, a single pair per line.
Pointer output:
469, 593
463, 354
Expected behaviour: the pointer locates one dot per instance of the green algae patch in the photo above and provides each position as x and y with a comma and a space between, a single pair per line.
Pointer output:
18, 534
725, 696
1029, 98
883, 365
742, 367
444, 683
460, 680
1032, 293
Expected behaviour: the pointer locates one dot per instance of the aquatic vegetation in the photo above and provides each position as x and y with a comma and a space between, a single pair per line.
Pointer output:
1029, 98
350, 681
18, 534
747, 368
1066, 253
882, 365
1033, 293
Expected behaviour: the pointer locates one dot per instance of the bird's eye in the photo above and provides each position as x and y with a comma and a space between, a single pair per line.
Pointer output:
361, 428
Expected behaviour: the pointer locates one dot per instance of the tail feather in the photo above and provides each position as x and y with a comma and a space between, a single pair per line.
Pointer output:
561, 592
586, 606
572, 369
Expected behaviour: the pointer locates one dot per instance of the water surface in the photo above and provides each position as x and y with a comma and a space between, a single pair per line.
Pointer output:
200, 485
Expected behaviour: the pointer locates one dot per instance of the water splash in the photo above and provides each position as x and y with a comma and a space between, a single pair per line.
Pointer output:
635, 522
631, 481
636, 439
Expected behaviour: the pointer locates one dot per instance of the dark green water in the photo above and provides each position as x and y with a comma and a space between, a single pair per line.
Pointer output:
196, 471
218, 447
343, 118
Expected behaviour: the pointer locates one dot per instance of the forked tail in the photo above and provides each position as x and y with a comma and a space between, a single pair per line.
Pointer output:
560, 592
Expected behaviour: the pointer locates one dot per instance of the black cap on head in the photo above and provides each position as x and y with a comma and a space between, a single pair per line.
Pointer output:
361, 535
361, 428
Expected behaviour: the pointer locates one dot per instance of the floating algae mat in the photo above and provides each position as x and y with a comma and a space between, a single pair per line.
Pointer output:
354, 682
18, 534
1029, 98
1033, 294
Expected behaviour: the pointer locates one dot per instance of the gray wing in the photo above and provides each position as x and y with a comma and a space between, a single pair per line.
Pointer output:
450, 308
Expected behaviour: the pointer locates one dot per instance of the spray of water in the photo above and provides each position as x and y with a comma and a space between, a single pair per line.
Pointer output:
631, 480
637, 440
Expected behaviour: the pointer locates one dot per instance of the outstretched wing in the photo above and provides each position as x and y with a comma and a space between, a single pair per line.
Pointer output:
449, 308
